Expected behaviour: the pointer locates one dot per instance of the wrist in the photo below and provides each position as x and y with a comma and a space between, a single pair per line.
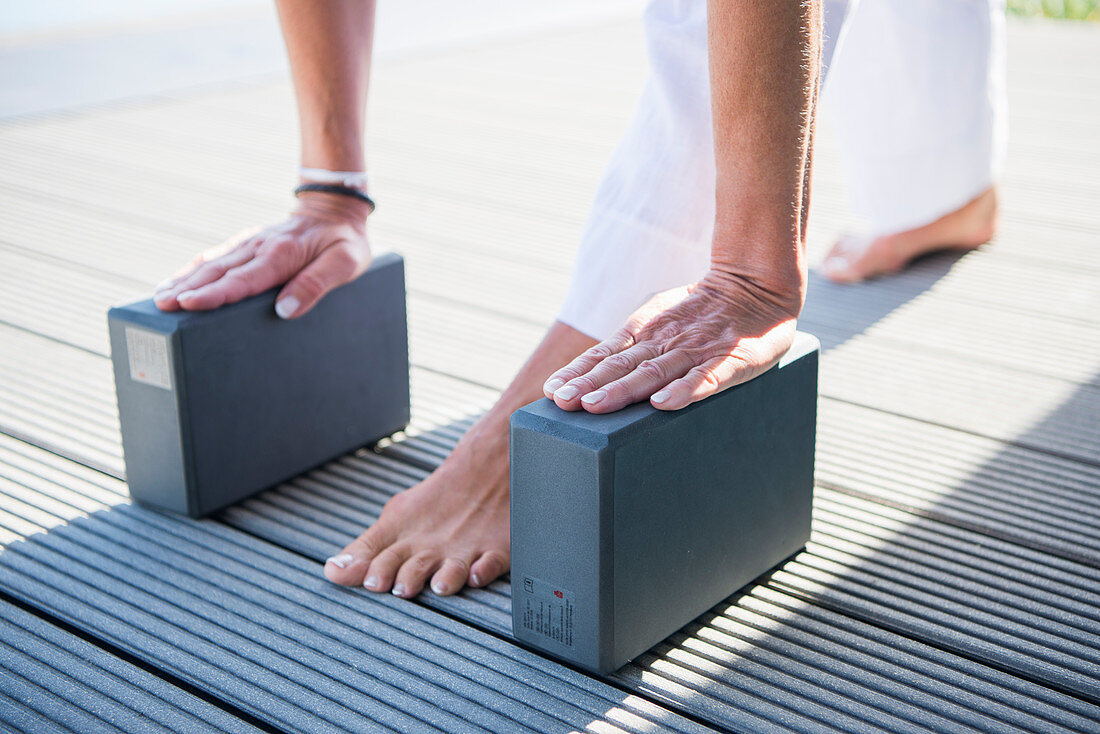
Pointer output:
781, 290
333, 208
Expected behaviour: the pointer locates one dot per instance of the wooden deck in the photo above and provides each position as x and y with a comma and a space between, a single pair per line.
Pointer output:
953, 578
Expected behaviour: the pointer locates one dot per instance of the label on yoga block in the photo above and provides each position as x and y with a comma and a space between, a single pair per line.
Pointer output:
547, 610
148, 354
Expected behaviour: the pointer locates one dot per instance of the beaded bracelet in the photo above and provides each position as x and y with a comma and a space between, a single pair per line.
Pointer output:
335, 189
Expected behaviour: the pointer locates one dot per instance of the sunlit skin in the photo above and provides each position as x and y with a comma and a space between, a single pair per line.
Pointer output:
451, 529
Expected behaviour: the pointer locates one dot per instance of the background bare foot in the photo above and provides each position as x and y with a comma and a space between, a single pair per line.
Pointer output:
855, 258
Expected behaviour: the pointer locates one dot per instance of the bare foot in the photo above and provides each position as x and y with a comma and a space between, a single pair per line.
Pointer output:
854, 258
453, 527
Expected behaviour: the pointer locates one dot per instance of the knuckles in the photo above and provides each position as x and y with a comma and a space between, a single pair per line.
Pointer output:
601, 351
311, 285
618, 362
652, 371
344, 262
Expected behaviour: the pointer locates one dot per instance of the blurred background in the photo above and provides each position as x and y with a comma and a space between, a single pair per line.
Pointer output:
63, 53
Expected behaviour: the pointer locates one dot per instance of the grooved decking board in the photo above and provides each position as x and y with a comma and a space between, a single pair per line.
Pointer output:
742, 669
59, 398
1020, 610
770, 635
261, 629
916, 312
52, 680
1007, 491
995, 401
39, 490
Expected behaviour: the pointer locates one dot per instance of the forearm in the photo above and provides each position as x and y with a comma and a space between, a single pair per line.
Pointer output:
764, 67
329, 45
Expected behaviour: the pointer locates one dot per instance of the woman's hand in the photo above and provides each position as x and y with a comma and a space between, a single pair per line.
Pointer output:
321, 245
681, 346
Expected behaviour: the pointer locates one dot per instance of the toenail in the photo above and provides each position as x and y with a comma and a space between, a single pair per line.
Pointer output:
566, 393
553, 384
836, 263
439, 588
475, 579
398, 589
371, 582
185, 296
594, 397
341, 560
661, 396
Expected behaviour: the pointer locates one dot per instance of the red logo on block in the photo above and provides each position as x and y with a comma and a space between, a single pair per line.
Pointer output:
558, 594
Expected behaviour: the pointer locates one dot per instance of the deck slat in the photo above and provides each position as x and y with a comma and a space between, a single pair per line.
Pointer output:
52, 678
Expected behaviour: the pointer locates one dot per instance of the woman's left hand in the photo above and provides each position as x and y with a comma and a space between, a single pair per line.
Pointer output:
681, 346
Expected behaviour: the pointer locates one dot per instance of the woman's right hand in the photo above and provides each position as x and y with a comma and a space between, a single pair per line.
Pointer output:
321, 245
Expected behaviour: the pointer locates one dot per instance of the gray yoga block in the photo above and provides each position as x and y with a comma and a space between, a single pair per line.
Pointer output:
218, 405
627, 526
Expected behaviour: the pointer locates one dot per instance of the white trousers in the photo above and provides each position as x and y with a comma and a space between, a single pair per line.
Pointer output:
916, 91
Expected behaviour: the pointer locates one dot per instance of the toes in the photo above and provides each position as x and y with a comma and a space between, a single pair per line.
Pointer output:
349, 566
839, 265
491, 566
451, 576
414, 573
383, 570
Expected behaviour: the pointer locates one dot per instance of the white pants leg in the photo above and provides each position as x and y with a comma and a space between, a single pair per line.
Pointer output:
917, 95
921, 138
651, 221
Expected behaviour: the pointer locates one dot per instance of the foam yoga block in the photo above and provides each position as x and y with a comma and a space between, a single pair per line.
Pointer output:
627, 526
217, 405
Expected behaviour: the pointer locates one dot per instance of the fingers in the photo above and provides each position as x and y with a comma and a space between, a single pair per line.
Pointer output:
333, 267
202, 272
255, 276
637, 385
588, 359
705, 380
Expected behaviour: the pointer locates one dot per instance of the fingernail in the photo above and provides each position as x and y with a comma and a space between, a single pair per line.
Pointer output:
594, 397
341, 560
185, 296
553, 384
398, 589
661, 396
566, 393
476, 579
286, 307
371, 582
